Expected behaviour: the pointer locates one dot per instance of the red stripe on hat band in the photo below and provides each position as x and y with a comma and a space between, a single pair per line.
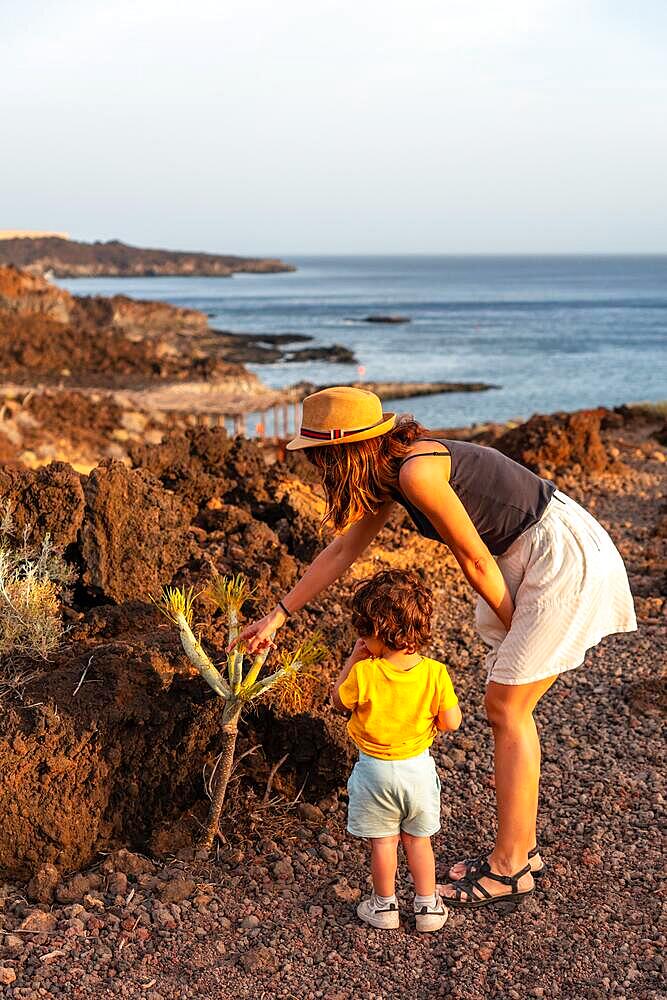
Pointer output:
318, 435
336, 433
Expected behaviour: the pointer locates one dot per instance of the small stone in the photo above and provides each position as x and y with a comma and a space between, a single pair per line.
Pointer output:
75, 888
128, 863
7, 975
283, 871
177, 890
345, 893
38, 922
77, 925
13, 943
311, 813
327, 840
329, 855
42, 885
250, 921
259, 959
659, 456
93, 902
117, 884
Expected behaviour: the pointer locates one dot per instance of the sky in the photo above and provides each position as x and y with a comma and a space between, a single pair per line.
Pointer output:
314, 126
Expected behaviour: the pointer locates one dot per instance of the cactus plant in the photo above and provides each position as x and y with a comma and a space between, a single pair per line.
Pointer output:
238, 688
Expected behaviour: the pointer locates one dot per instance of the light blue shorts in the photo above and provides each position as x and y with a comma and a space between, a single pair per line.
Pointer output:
387, 796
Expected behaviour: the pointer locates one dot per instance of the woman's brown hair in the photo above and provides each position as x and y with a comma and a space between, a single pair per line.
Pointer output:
396, 606
359, 477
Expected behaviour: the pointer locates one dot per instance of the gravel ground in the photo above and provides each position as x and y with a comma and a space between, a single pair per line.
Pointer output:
275, 917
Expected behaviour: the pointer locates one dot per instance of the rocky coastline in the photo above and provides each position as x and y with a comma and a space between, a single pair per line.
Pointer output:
404, 390
66, 258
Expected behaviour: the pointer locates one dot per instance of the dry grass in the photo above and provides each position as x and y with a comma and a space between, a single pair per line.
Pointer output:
31, 583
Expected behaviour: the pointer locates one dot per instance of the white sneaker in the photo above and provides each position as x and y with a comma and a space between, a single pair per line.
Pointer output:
377, 915
432, 918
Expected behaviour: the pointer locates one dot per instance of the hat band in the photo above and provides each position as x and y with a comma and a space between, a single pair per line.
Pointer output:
337, 433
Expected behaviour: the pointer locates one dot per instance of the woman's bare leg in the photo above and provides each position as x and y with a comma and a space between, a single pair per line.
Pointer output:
517, 772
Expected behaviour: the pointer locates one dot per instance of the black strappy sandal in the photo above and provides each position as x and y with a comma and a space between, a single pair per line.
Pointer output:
470, 885
473, 865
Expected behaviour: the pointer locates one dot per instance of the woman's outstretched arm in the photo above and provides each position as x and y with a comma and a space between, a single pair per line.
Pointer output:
425, 483
325, 569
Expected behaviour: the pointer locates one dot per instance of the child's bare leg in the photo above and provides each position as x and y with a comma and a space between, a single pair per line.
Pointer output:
383, 865
421, 862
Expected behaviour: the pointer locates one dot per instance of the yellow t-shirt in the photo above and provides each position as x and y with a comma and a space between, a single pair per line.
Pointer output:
394, 711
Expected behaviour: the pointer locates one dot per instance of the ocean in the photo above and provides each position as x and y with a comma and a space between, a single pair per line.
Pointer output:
554, 333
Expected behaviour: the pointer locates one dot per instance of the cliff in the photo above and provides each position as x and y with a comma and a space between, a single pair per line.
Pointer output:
72, 259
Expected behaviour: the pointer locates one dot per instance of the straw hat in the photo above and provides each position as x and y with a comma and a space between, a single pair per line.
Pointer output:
341, 415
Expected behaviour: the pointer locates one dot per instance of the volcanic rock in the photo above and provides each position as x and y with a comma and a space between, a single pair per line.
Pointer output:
384, 318
176, 890
37, 922
42, 885
44, 501
77, 888
554, 444
132, 536
126, 862
335, 353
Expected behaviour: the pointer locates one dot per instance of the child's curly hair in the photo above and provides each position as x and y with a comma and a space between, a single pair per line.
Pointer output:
396, 607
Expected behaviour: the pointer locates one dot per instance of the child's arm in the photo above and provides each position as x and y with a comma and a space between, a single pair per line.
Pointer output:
449, 720
360, 652
449, 714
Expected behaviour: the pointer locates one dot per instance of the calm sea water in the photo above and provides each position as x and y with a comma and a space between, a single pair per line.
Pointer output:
553, 332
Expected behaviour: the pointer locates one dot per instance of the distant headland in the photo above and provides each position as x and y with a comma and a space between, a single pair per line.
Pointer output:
55, 254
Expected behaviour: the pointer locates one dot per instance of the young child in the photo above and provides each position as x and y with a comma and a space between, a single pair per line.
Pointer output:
398, 699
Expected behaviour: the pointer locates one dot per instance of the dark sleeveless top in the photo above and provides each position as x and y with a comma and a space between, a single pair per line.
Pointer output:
502, 498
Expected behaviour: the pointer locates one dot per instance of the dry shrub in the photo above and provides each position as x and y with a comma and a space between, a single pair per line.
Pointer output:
31, 584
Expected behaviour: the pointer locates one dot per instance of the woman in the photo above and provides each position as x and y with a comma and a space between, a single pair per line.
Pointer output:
550, 581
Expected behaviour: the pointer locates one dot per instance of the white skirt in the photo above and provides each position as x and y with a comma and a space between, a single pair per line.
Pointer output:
570, 589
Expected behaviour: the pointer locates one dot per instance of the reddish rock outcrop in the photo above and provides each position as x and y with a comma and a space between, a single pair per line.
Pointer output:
132, 536
195, 464
47, 500
558, 443
48, 335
